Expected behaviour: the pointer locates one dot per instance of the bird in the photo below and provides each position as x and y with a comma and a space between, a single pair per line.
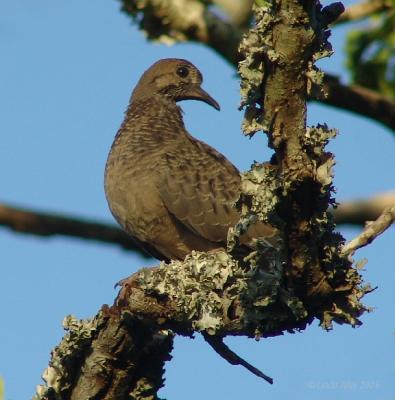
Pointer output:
171, 192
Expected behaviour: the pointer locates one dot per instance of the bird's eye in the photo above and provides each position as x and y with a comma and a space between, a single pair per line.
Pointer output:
182, 71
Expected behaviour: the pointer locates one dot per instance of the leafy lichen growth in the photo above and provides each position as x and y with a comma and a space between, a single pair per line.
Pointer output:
305, 175
64, 357
220, 294
260, 55
316, 138
256, 47
258, 201
195, 285
260, 191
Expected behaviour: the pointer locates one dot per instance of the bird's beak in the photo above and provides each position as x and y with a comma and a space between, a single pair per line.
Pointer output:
197, 93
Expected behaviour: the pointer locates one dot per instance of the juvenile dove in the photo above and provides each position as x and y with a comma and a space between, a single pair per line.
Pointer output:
171, 192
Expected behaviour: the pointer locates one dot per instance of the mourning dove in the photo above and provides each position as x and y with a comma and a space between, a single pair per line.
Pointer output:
171, 192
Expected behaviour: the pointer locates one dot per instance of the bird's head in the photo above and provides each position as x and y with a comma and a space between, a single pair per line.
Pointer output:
177, 79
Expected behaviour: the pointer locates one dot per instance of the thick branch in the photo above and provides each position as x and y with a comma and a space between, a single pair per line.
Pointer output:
275, 102
107, 358
123, 349
363, 10
205, 27
43, 224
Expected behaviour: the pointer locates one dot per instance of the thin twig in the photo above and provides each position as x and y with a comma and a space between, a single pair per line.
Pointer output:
371, 231
216, 342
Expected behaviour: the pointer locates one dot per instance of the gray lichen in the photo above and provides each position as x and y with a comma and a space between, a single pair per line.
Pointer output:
315, 140
260, 188
222, 295
258, 201
257, 49
195, 285
57, 375
306, 168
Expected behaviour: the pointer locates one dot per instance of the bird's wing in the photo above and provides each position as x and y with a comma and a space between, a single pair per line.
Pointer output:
199, 187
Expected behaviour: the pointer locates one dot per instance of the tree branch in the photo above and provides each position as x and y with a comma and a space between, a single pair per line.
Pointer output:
43, 224
274, 91
358, 212
110, 357
123, 349
371, 231
205, 27
32, 222
359, 100
363, 10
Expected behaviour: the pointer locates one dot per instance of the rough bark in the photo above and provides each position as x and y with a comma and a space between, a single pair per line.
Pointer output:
281, 51
109, 357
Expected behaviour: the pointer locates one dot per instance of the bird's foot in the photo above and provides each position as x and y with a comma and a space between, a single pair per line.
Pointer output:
129, 281
125, 282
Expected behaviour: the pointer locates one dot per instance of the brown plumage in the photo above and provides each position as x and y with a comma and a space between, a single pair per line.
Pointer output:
171, 192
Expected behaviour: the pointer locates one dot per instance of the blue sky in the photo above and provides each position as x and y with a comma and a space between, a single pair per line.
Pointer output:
67, 71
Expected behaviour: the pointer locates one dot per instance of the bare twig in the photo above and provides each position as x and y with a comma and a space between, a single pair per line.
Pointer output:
217, 343
363, 10
357, 212
44, 224
371, 231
